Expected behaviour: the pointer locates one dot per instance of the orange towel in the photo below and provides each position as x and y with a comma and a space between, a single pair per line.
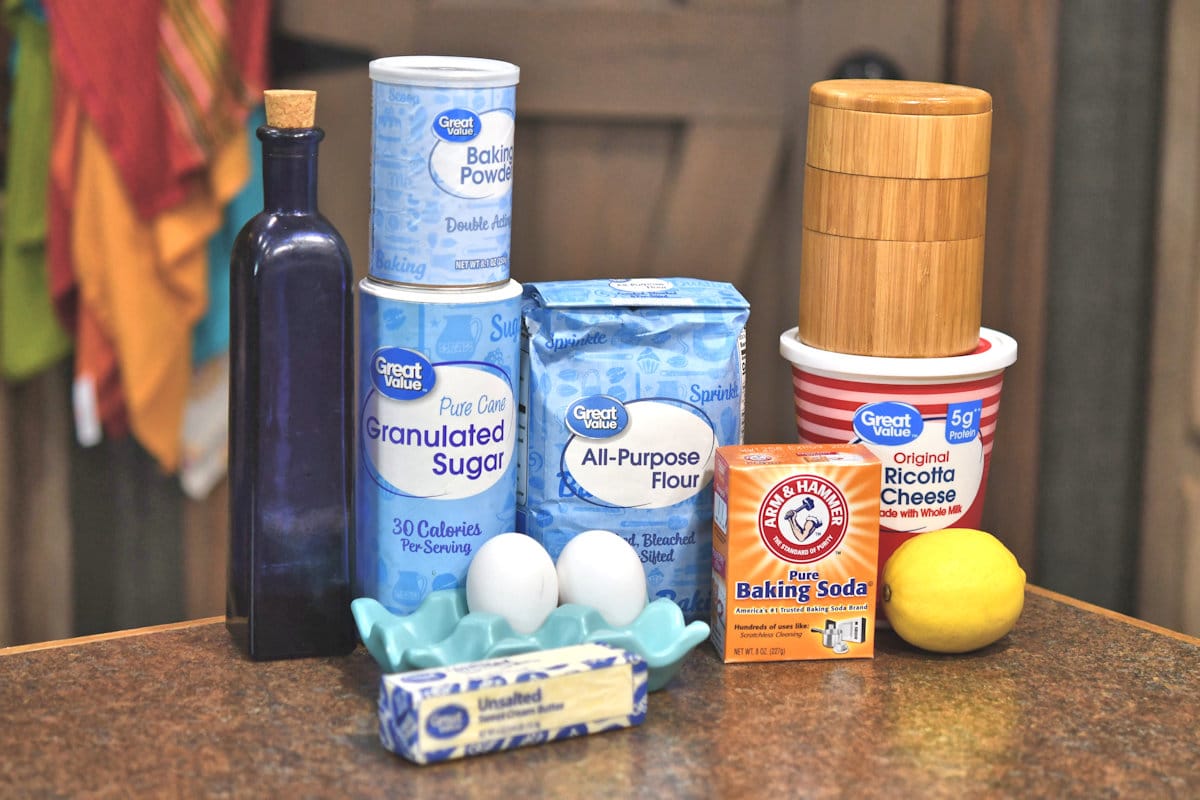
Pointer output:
146, 281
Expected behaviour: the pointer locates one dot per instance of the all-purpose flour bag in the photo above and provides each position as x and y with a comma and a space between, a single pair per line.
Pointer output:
628, 388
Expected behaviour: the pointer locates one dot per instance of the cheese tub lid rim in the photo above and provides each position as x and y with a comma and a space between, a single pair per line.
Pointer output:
900, 97
444, 71
1000, 352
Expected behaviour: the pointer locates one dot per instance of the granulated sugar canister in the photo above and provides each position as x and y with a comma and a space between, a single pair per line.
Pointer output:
895, 195
437, 433
441, 170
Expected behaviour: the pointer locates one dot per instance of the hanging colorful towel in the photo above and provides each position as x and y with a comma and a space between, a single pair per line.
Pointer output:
30, 337
157, 161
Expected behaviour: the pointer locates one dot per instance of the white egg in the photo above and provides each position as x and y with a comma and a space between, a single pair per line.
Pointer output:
599, 569
512, 575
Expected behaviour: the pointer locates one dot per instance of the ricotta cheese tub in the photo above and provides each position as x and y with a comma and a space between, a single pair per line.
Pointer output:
930, 421
628, 388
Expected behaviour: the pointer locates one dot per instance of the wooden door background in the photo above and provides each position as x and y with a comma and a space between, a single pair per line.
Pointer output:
654, 138
1169, 569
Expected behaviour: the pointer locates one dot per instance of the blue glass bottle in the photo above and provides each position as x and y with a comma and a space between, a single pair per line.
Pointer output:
290, 415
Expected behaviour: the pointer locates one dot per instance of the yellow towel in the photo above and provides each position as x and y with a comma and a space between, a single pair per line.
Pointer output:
146, 282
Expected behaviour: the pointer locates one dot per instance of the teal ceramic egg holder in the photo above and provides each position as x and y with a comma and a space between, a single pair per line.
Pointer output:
441, 632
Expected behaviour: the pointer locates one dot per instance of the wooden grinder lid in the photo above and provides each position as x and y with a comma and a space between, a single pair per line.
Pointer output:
899, 129
291, 108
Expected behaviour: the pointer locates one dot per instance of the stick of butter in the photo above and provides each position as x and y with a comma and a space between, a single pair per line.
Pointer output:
443, 713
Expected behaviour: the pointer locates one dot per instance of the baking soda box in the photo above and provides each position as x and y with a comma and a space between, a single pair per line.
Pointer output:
795, 542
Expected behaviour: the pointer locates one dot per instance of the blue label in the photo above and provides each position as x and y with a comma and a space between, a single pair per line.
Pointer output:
424, 677
456, 125
424, 503
447, 722
402, 374
669, 352
597, 417
441, 184
888, 423
962, 421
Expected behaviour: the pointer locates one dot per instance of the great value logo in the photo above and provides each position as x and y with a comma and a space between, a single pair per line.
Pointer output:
402, 374
456, 125
597, 417
447, 722
888, 423
425, 676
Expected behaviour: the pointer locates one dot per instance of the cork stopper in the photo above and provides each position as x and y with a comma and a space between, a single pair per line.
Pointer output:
291, 108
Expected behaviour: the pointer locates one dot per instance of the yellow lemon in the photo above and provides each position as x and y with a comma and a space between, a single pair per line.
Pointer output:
953, 590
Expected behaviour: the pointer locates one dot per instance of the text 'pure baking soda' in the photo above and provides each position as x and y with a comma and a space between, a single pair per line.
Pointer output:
795, 538
437, 433
629, 387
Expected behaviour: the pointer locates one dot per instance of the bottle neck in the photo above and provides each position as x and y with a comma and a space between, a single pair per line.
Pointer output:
290, 168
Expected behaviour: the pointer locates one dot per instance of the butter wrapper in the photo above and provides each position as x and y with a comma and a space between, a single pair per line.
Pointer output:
498, 704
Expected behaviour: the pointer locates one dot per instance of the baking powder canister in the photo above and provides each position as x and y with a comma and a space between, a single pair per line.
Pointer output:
441, 170
437, 431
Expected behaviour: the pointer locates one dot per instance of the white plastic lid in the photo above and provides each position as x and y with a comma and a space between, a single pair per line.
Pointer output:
445, 71
448, 295
995, 352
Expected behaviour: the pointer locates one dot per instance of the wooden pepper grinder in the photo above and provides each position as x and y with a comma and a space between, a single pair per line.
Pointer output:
895, 196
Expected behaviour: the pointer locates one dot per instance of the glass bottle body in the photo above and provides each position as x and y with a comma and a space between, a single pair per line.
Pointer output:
291, 417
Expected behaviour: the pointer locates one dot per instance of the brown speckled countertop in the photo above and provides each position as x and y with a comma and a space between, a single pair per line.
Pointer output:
1073, 703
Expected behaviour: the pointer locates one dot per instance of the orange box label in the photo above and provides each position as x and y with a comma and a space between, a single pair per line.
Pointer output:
795, 543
